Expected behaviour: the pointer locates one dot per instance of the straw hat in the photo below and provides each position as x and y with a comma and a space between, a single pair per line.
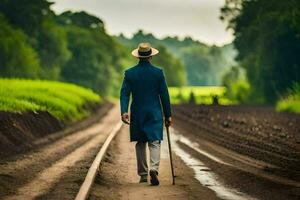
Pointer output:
144, 50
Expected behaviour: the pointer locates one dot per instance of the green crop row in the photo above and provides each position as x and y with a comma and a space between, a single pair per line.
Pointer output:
202, 94
65, 101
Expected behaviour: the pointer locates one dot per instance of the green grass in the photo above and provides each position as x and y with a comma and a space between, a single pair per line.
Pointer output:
63, 100
292, 102
288, 105
203, 94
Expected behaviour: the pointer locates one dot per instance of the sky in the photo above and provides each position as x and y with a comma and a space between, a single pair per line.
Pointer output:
198, 19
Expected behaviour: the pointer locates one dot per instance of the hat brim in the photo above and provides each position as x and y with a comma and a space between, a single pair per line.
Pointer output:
135, 53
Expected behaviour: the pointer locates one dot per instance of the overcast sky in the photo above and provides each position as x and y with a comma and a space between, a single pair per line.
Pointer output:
196, 18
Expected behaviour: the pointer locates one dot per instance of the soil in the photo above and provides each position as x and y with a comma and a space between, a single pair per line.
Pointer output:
258, 133
20, 132
57, 168
118, 178
260, 146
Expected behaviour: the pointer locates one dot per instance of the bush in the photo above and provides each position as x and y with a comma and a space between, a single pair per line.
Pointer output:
292, 102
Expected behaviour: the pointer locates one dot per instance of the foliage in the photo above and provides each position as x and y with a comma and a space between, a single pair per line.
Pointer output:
65, 101
95, 61
174, 70
202, 94
292, 102
204, 65
81, 19
267, 37
36, 19
73, 46
192, 99
28, 15
53, 49
17, 57
238, 88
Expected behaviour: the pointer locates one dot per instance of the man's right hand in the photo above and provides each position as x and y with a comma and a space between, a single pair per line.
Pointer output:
168, 121
125, 118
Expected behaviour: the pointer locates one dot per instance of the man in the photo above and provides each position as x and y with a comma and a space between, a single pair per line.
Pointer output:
146, 83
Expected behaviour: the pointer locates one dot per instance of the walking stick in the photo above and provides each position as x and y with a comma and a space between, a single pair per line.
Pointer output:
170, 152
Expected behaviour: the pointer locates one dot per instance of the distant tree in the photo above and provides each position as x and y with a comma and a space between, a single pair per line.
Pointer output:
237, 86
215, 100
180, 97
192, 99
81, 19
17, 57
198, 66
175, 72
204, 65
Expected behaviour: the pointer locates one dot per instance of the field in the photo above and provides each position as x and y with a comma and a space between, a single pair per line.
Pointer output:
202, 94
257, 132
66, 102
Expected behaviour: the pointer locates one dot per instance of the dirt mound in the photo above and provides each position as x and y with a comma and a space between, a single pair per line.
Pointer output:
19, 130
23, 131
257, 132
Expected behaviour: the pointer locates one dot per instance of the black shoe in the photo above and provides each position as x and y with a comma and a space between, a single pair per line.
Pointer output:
144, 179
154, 180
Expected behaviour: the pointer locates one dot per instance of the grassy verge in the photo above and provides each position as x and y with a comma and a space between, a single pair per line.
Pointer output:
289, 105
292, 102
202, 94
63, 100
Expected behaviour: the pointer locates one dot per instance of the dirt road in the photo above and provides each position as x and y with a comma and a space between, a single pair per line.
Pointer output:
56, 170
118, 178
205, 168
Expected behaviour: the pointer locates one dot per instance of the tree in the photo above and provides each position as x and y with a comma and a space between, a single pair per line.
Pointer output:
268, 43
36, 19
53, 49
95, 61
176, 75
29, 15
237, 86
17, 57
203, 64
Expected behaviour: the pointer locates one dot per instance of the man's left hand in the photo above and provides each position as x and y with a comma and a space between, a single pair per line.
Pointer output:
168, 121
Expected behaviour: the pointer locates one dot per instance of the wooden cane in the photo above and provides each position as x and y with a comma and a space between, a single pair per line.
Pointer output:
170, 153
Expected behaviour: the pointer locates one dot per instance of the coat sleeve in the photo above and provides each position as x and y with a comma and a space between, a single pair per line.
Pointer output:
125, 95
164, 96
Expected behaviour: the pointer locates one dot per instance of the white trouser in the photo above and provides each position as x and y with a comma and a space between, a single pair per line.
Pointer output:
141, 156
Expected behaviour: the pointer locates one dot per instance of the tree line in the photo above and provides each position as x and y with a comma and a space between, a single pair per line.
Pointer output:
197, 64
74, 47
267, 38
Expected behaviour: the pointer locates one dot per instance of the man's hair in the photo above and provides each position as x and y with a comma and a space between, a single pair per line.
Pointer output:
145, 59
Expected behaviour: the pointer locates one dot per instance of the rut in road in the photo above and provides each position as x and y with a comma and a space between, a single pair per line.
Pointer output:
46, 170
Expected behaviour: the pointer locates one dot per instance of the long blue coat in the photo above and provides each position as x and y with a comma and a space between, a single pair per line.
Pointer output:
150, 101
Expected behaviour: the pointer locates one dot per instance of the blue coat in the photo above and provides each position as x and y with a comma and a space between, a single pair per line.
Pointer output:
146, 83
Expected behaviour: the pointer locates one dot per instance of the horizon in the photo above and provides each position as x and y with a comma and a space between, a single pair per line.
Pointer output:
198, 20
